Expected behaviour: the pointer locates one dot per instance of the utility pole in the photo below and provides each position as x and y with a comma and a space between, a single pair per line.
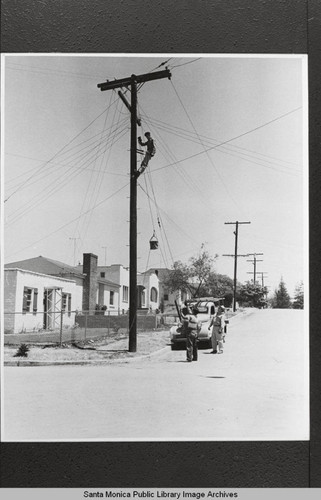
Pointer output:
262, 277
105, 255
132, 82
74, 239
236, 232
255, 260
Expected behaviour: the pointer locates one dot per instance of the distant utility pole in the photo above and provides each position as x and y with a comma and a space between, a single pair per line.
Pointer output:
132, 82
255, 260
74, 239
105, 255
236, 232
262, 277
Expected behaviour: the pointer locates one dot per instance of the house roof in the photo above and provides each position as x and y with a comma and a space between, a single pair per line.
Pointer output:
50, 267
162, 272
45, 266
108, 282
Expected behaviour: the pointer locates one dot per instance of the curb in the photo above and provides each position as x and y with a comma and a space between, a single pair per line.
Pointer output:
89, 362
22, 363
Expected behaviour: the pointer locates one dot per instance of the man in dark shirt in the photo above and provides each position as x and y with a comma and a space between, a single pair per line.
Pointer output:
150, 152
193, 326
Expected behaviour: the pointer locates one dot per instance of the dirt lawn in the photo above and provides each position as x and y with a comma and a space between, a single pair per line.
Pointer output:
92, 349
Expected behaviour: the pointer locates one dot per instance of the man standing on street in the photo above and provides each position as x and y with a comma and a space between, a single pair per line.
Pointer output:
217, 331
193, 326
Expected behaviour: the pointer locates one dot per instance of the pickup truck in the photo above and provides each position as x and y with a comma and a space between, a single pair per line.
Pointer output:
206, 307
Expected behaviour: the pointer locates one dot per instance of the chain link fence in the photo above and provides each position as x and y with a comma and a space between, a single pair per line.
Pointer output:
72, 326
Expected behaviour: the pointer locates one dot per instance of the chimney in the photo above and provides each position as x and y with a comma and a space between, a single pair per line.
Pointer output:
90, 282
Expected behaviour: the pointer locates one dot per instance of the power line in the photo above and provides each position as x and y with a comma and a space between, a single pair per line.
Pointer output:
56, 154
184, 175
190, 135
97, 180
72, 158
69, 175
230, 140
73, 220
37, 69
184, 64
208, 156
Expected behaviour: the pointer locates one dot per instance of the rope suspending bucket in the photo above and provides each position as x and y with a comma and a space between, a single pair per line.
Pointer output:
153, 242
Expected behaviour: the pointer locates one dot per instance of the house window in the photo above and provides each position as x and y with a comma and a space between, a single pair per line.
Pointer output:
111, 298
165, 296
153, 294
125, 293
66, 303
30, 299
102, 275
69, 304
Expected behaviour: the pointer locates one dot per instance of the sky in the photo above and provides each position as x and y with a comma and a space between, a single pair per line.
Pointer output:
231, 141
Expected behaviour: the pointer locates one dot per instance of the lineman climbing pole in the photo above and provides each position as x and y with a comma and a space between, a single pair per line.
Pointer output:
132, 82
236, 232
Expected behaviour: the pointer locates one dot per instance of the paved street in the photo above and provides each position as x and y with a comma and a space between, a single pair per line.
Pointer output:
256, 390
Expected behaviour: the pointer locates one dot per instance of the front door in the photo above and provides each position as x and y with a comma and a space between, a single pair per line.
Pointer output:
52, 304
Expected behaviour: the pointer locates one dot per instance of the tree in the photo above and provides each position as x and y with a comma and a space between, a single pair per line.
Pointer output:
193, 277
252, 295
281, 298
298, 302
220, 285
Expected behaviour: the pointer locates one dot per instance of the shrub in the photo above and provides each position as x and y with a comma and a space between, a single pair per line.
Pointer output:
22, 351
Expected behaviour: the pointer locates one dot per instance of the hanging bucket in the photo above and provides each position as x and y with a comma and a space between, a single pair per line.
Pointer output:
153, 242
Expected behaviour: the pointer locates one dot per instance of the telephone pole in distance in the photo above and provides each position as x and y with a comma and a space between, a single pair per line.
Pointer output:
262, 277
74, 240
105, 248
236, 233
132, 82
255, 260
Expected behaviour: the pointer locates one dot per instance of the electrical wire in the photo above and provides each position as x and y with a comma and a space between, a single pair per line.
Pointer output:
185, 177
189, 136
56, 154
94, 179
62, 180
69, 175
46, 71
205, 150
184, 64
76, 156
73, 220
230, 140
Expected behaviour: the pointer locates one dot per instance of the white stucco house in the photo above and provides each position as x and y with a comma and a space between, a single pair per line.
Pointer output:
167, 298
35, 301
147, 287
36, 289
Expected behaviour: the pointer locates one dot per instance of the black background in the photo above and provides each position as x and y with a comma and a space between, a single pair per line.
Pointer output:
180, 26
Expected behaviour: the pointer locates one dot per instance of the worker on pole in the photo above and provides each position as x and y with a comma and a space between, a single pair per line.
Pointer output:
150, 152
